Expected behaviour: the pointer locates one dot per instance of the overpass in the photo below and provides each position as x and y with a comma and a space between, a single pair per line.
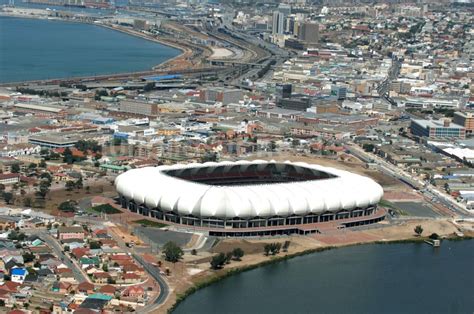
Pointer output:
117, 76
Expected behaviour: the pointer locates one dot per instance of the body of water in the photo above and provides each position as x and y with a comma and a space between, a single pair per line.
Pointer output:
392, 278
32, 49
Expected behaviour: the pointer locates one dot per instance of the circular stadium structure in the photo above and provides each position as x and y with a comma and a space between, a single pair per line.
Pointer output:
250, 197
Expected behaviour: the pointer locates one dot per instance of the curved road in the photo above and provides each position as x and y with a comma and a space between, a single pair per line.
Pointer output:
151, 270
155, 273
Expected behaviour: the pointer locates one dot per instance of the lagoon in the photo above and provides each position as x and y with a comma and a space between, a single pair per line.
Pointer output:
378, 278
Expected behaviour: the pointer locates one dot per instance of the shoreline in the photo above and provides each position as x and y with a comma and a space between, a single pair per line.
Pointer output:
226, 273
182, 49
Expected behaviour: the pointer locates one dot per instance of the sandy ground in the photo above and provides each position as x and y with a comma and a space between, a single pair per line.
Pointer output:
220, 53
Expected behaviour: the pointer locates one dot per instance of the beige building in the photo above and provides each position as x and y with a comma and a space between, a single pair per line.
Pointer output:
138, 107
465, 119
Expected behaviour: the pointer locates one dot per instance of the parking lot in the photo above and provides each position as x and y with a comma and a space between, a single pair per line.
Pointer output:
417, 209
160, 237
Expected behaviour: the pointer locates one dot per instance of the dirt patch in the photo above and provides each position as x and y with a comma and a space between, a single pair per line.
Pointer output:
248, 247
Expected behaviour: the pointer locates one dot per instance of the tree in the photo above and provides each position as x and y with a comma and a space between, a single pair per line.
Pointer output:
8, 197
238, 253
193, 252
66, 207
43, 189
85, 145
272, 146
434, 236
267, 249
99, 93
27, 202
172, 252
94, 245
66, 248
285, 246
418, 230
70, 185
272, 248
45, 176
42, 164
79, 184
28, 257
368, 147
105, 267
32, 166
67, 156
2, 187
15, 168
228, 257
218, 261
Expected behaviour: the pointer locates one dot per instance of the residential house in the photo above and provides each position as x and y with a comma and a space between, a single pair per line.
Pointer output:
85, 288
9, 178
108, 290
79, 252
134, 292
74, 232
18, 274
101, 277
89, 261
131, 278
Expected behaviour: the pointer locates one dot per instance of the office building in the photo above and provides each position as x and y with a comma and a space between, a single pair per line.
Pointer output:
278, 23
465, 119
437, 129
308, 32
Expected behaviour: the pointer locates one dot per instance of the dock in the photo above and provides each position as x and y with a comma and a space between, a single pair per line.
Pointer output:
434, 243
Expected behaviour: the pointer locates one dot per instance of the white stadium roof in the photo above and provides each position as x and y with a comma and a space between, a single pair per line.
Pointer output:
156, 189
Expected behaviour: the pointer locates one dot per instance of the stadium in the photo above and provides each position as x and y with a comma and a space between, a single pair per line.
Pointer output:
250, 198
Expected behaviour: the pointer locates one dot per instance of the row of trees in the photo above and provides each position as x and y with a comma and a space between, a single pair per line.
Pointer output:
71, 185
218, 261
88, 145
274, 248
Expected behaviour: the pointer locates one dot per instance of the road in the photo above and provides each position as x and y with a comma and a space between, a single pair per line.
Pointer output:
151, 270
58, 250
425, 187
155, 273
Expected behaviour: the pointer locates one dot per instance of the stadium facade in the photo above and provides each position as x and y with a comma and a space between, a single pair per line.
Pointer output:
251, 197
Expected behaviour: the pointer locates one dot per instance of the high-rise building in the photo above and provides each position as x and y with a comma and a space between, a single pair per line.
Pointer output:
278, 23
284, 8
283, 90
309, 32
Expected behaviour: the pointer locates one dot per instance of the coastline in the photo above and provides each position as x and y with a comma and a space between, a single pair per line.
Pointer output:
183, 50
222, 274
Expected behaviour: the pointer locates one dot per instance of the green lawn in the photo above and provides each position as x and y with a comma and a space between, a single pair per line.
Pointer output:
150, 223
105, 208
